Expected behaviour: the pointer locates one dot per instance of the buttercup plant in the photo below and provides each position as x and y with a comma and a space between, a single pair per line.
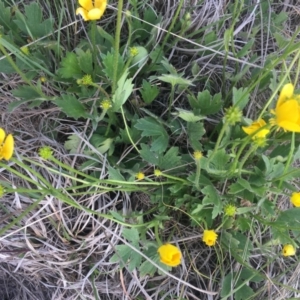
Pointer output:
147, 151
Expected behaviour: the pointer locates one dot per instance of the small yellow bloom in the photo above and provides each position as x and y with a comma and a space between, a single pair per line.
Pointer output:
209, 237
169, 255
230, 210
2, 191
295, 199
25, 50
45, 152
43, 79
6, 145
197, 155
133, 51
233, 115
157, 172
287, 110
288, 250
91, 10
85, 80
140, 176
105, 104
256, 127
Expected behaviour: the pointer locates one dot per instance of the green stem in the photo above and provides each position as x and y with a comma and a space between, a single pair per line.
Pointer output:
289, 160
171, 100
198, 172
286, 74
24, 78
20, 175
174, 20
246, 156
156, 232
174, 178
93, 40
117, 45
127, 131
20, 217
217, 145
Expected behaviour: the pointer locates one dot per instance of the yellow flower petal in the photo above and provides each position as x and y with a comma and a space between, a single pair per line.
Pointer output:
209, 237
170, 255
289, 126
86, 4
295, 199
95, 14
288, 111
8, 147
255, 127
2, 136
101, 4
84, 13
285, 94
288, 250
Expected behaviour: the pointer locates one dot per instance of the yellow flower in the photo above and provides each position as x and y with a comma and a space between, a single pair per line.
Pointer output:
25, 50
287, 110
6, 145
105, 104
85, 80
209, 237
91, 10
197, 155
157, 172
256, 127
169, 255
230, 210
233, 115
295, 199
45, 152
288, 250
2, 191
133, 51
140, 176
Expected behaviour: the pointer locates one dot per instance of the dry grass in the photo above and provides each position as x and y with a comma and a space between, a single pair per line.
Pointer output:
59, 252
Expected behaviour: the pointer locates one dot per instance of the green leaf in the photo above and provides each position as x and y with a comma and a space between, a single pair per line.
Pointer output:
141, 57
5, 66
174, 79
219, 163
72, 143
5, 18
245, 49
206, 103
187, 116
122, 92
70, 67
106, 35
148, 155
31, 23
115, 174
149, 92
147, 268
85, 61
240, 97
151, 128
212, 198
71, 106
131, 234
106, 145
170, 160
195, 132
126, 255
108, 62
26, 92
117, 216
